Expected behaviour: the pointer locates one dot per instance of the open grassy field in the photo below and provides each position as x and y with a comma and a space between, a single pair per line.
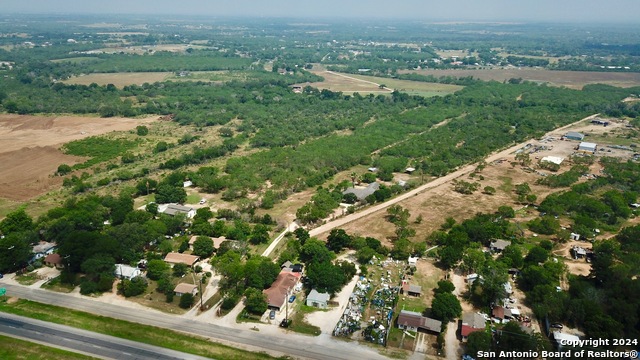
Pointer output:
120, 80
19, 349
570, 79
350, 83
128, 330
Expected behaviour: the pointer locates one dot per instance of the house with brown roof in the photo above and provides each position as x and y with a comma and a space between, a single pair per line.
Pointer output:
414, 321
471, 322
177, 258
281, 288
54, 260
183, 288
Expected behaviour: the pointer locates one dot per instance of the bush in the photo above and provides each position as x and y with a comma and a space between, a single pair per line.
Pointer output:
142, 130
133, 287
229, 302
186, 301
63, 169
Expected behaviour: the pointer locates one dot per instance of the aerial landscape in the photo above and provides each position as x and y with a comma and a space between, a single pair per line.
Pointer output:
277, 180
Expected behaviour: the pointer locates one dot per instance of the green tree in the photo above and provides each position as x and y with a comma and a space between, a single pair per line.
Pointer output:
203, 246
256, 301
180, 269
259, 234
16, 221
133, 287
15, 251
156, 268
338, 239
445, 307
478, 341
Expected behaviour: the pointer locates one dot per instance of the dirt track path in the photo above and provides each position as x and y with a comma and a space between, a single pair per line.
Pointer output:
356, 79
433, 184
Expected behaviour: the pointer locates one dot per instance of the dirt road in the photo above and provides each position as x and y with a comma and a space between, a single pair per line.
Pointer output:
433, 184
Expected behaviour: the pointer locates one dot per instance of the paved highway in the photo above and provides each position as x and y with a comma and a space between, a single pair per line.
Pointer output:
85, 342
292, 344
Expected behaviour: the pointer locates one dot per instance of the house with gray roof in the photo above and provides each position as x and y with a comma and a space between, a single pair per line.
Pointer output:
319, 300
362, 193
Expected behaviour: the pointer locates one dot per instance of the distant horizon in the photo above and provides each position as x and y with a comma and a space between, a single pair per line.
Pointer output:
467, 11
385, 20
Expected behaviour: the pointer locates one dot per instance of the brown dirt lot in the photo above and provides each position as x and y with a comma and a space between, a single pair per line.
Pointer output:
570, 79
30, 153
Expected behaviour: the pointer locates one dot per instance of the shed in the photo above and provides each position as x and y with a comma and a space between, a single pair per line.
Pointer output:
317, 299
587, 147
572, 135
411, 290
124, 271
409, 170
183, 288
413, 260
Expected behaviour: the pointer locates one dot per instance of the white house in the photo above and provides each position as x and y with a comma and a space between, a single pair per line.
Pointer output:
173, 209
127, 272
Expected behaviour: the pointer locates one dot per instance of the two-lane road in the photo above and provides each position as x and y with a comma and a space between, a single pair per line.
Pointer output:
85, 342
292, 344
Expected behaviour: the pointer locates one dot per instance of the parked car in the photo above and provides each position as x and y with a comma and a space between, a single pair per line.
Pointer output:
1, 276
292, 298
557, 326
272, 314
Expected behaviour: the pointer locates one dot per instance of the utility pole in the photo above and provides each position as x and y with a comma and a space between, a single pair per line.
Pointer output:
201, 294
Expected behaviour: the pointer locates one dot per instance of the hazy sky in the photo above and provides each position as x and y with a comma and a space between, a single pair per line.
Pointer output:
481, 10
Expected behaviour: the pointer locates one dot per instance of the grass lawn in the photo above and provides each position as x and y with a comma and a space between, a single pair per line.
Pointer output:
298, 323
19, 349
123, 329
28, 278
55, 285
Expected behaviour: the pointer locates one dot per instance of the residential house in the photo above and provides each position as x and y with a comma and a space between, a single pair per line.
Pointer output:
471, 322
279, 292
316, 299
497, 246
177, 258
54, 260
42, 249
127, 272
183, 288
173, 209
414, 321
362, 193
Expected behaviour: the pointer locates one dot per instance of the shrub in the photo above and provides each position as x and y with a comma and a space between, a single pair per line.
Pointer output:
186, 301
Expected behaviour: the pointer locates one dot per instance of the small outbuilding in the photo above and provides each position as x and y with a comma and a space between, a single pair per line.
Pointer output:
317, 299
553, 159
410, 289
183, 288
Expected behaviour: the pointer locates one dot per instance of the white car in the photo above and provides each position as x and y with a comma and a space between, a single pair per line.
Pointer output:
202, 201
